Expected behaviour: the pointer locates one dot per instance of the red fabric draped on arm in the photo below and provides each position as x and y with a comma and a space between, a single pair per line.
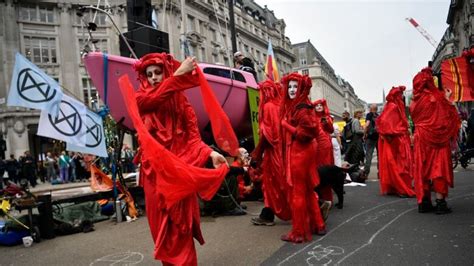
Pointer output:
175, 179
221, 128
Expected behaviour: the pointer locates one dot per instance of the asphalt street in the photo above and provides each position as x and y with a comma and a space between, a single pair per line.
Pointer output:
370, 230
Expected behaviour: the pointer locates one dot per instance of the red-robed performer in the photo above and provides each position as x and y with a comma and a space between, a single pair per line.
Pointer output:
324, 153
436, 123
395, 160
299, 133
268, 153
172, 153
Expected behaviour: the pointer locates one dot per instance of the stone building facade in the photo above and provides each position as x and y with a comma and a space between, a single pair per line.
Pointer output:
207, 32
339, 93
51, 35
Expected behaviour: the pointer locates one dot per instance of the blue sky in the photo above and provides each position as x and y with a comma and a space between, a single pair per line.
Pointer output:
368, 43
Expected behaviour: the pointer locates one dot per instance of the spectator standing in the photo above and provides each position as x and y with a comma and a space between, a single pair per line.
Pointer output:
50, 163
371, 137
28, 167
2, 172
64, 167
355, 148
12, 167
72, 166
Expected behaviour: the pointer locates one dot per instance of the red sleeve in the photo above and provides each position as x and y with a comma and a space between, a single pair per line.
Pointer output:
148, 99
307, 126
328, 127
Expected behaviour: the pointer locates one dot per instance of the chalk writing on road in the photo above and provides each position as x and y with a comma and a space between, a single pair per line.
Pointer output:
122, 258
374, 217
320, 255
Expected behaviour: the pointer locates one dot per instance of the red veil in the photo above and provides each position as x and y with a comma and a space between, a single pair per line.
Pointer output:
275, 188
436, 123
395, 158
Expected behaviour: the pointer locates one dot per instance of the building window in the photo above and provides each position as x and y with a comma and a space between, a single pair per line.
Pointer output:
40, 50
246, 48
202, 55
213, 35
202, 27
215, 58
89, 15
302, 50
97, 45
34, 13
89, 92
305, 71
226, 61
191, 26
302, 61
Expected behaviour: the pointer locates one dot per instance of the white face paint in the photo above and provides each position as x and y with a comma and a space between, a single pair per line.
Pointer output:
319, 108
244, 155
292, 89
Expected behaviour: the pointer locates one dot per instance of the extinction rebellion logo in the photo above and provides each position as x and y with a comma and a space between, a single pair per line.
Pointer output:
33, 87
94, 130
69, 120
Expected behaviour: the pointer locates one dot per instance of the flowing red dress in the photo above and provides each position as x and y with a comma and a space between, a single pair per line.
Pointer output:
274, 185
436, 123
395, 160
324, 153
172, 154
299, 133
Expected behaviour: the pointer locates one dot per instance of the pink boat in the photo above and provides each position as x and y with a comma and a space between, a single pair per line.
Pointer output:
231, 93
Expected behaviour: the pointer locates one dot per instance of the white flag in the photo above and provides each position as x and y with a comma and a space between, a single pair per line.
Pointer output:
95, 138
154, 19
67, 125
31, 87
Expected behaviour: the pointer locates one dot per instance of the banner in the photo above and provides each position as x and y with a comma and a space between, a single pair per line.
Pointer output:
95, 138
254, 100
67, 125
457, 75
31, 87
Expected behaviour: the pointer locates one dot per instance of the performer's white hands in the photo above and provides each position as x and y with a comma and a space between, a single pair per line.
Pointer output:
218, 159
188, 65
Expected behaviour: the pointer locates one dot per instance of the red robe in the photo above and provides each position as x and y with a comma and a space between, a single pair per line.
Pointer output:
300, 129
436, 123
394, 151
274, 185
172, 154
324, 153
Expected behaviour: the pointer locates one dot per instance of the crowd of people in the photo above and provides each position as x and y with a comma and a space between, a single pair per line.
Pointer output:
64, 167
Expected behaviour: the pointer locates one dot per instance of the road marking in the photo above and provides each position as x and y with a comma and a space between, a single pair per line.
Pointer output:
388, 224
337, 227
123, 258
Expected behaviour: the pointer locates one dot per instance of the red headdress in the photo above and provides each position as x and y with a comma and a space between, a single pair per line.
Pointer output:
325, 111
396, 96
166, 61
269, 92
304, 86
423, 81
